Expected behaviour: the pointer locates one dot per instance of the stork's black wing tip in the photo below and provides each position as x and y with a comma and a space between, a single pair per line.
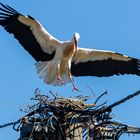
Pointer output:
7, 9
1, 4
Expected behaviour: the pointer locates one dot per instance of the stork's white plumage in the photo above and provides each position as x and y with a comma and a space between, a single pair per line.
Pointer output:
58, 61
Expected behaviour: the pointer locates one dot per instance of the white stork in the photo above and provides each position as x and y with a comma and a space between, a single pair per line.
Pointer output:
58, 61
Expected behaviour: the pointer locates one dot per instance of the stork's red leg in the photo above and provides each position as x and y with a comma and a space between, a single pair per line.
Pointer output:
72, 81
58, 76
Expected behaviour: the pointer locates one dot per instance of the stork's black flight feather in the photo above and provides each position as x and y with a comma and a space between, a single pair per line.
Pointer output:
108, 67
9, 20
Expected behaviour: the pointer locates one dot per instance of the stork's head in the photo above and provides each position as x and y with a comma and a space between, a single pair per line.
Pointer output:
76, 37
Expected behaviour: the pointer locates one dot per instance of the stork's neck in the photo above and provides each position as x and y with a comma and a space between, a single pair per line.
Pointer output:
75, 42
76, 39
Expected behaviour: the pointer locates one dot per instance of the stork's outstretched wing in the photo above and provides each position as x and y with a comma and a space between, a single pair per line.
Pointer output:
90, 62
29, 32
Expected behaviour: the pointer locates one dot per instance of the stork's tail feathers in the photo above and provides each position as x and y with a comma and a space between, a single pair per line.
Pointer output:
48, 72
41, 68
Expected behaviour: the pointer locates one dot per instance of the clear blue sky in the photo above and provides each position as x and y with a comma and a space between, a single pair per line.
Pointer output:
103, 24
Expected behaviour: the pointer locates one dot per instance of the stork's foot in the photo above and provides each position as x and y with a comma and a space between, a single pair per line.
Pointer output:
75, 88
72, 81
59, 78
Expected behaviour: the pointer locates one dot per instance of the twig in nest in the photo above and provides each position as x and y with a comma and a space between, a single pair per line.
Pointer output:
105, 93
92, 91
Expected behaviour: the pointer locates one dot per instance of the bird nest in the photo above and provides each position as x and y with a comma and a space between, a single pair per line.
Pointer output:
71, 118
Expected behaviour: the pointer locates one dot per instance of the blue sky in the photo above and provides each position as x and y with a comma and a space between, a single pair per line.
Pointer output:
103, 24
